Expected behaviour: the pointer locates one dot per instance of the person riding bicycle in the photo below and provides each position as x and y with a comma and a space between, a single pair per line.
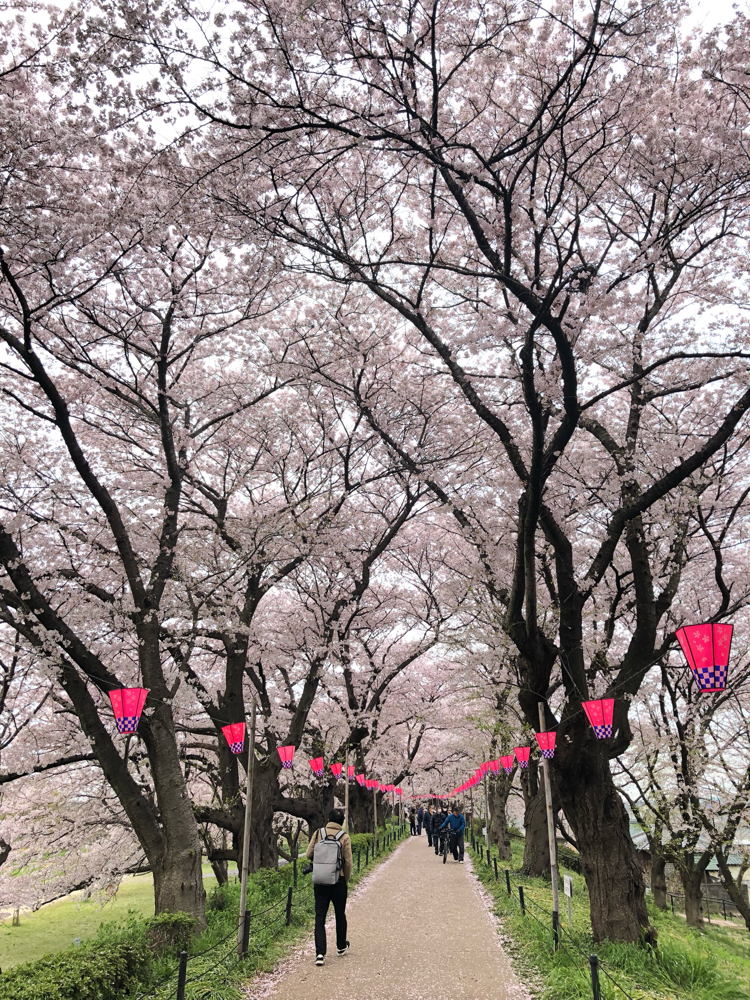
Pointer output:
455, 826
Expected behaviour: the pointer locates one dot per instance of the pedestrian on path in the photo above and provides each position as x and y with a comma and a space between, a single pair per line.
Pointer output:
439, 835
420, 820
332, 870
429, 818
412, 822
455, 826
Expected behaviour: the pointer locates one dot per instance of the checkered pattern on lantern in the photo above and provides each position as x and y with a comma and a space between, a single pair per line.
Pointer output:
286, 763
127, 723
523, 763
507, 769
236, 747
320, 773
549, 754
602, 732
711, 679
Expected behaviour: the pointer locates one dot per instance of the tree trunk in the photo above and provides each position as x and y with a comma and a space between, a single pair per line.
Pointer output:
659, 879
360, 810
691, 886
734, 887
536, 845
498, 799
600, 826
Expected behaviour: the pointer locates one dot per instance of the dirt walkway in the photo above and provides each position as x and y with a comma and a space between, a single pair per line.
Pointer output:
418, 929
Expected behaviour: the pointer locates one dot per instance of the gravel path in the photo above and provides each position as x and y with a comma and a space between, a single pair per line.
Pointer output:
418, 928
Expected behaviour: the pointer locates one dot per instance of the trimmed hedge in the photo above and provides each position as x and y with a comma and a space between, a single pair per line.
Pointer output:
88, 972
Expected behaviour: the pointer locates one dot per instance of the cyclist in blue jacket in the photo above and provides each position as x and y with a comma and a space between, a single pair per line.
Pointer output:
455, 825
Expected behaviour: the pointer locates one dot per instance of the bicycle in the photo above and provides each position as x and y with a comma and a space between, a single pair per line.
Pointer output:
447, 845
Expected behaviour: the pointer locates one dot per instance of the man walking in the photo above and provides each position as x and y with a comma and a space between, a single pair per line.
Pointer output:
439, 834
429, 819
420, 818
332, 869
456, 824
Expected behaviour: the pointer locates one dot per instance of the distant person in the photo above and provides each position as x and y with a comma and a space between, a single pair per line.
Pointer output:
455, 826
420, 820
429, 818
438, 837
412, 822
331, 852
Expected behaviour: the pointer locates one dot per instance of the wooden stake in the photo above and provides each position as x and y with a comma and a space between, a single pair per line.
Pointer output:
246, 833
550, 825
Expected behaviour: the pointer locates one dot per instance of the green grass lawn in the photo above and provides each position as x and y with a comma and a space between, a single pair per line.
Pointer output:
686, 965
58, 925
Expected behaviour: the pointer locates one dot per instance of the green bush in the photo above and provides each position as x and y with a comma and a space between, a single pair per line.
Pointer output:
89, 972
169, 933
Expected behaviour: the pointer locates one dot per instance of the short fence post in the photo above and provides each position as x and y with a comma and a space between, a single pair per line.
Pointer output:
289, 906
367, 855
246, 933
182, 975
521, 900
555, 932
294, 869
494, 861
507, 880
671, 900
359, 858
594, 963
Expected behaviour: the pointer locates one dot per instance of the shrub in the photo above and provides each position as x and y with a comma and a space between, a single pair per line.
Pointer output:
89, 972
168, 933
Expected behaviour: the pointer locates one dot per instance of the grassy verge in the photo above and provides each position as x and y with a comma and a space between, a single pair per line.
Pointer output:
686, 965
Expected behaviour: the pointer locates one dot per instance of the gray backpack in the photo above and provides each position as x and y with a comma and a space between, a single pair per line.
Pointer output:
327, 858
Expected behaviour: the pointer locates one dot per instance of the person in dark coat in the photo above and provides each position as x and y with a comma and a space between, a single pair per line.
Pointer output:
420, 820
412, 822
438, 837
429, 819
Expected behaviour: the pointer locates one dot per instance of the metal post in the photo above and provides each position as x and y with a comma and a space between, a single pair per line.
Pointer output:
182, 975
294, 871
246, 831
507, 880
494, 861
359, 858
486, 780
346, 792
246, 933
289, 906
555, 931
522, 900
367, 855
374, 818
594, 963
550, 826
724, 908
671, 900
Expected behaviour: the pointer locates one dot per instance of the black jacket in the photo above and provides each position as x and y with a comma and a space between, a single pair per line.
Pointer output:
440, 818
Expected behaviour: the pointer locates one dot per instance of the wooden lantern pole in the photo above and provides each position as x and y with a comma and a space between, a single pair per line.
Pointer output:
246, 833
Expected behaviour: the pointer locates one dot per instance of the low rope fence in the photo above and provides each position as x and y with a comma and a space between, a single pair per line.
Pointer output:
297, 899
592, 967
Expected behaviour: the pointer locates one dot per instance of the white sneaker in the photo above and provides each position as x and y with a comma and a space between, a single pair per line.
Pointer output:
343, 951
320, 960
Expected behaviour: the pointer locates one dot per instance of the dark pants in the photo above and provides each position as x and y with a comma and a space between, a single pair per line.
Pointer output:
412, 828
457, 843
439, 843
429, 836
419, 827
324, 895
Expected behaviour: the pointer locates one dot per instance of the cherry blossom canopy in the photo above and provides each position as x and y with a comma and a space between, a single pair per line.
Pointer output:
600, 713
706, 648
287, 756
127, 704
235, 734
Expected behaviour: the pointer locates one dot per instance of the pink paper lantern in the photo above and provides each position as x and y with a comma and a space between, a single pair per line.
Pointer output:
522, 756
398, 791
600, 713
706, 649
485, 767
507, 763
235, 734
360, 779
336, 770
127, 704
546, 743
317, 766
495, 766
287, 756
352, 769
